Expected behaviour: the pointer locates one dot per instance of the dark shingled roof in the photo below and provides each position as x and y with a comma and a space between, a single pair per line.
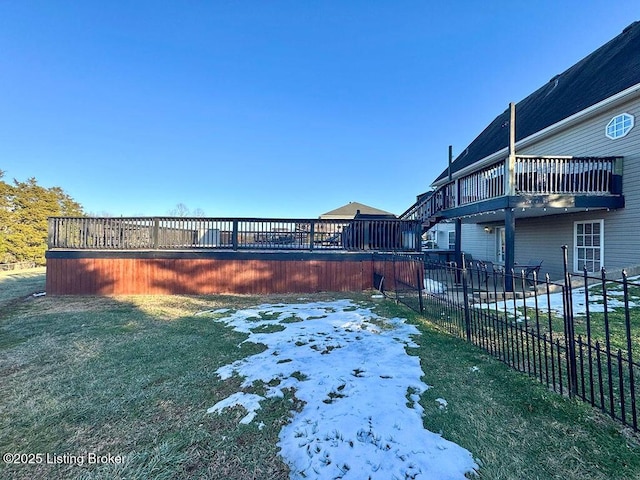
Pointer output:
610, 69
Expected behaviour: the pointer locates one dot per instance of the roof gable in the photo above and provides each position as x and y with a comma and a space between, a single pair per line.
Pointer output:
610, 69
351, 209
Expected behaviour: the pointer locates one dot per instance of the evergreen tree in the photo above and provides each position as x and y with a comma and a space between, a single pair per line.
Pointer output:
23, 218
5, 211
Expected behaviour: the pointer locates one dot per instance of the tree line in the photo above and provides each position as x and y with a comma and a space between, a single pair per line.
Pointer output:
24, 209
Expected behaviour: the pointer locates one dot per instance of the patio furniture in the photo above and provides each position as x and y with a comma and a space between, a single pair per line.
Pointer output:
531, 267
488, 270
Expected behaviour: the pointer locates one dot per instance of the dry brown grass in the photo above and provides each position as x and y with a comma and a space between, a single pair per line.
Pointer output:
135, 376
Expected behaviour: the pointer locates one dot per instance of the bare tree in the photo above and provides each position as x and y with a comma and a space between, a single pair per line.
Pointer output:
102, 213
181, 210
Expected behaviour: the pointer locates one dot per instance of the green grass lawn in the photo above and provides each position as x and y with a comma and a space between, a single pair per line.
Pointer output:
16, 284
133, 377
615, 317
514, 425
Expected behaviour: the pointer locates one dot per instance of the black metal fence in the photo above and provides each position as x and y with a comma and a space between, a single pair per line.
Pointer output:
171, 233
578, 336
400, 276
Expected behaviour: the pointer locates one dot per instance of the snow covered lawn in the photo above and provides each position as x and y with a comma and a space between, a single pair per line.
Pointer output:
554, 302
361, 417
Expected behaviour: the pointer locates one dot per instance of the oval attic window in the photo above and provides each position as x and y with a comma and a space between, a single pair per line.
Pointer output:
619, 126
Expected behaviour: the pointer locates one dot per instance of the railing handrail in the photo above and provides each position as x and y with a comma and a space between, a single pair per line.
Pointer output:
488, 182
227, 219
166, 232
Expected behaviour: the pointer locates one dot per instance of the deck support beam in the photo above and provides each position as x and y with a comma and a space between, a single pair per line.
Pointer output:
509, 247
458, 242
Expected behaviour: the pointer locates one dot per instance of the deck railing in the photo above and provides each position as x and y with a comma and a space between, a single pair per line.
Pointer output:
532, 175
482, 185
172, 233
560, 175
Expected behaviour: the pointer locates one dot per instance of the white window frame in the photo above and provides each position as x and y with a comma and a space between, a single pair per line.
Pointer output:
616, 127
586, 242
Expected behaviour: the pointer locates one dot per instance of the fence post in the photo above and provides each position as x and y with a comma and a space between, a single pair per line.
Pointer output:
366, 237
312, 234
156, 233
234, 235
395, 276
50, 232
627, 324
465, 296
607, 336
569, 328
418, 237
419, 276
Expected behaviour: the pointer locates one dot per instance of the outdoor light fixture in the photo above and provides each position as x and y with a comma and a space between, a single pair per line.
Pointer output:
487, 229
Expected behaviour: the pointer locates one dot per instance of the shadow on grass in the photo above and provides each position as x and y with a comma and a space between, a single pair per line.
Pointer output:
133, 377
18, 284
129, 378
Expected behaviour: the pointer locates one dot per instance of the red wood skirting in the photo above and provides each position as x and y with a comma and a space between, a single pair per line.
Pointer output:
113, 275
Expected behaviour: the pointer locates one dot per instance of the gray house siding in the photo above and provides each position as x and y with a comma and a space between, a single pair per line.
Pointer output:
539, 238
477, 242
442, 234
622, 244
542, 237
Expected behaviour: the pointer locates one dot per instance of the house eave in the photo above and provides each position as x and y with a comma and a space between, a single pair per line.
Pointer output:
527, 206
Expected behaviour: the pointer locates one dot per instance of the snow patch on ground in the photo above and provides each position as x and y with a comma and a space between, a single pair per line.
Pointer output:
249, 401
434, 287
554, 302
442, 403
361, 417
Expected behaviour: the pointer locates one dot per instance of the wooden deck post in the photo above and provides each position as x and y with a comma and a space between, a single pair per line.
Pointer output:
509, 215
510, 177
155, 235
458, 242
312, 234
234, 235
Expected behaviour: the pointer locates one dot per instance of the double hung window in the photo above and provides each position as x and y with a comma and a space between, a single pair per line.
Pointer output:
588, 246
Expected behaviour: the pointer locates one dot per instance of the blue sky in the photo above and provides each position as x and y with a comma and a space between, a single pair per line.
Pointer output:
269, 108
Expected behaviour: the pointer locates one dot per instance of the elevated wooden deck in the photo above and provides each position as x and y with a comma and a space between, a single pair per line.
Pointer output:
113, 272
